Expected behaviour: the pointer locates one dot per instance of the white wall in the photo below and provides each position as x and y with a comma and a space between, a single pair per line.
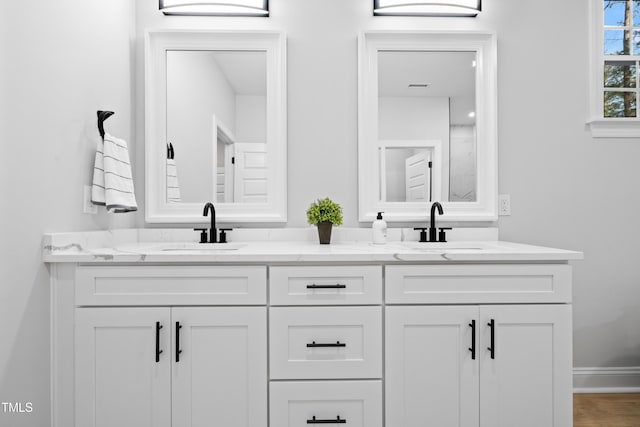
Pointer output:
60, 62
251, 118
413, 118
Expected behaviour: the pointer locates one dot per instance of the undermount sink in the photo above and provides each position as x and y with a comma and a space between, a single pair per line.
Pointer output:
201, 247
442, 246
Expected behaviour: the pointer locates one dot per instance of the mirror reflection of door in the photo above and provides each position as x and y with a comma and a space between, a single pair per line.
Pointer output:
417, 178
225, 148
409, 171
216, 101
430, 95
250, 173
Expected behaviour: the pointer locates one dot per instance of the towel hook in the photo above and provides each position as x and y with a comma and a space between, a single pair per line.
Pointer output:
102, 116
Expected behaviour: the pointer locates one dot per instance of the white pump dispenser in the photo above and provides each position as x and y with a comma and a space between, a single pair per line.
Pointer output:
379, 230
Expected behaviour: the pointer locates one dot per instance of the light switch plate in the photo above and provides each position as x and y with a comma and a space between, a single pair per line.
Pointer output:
504, 207
88, 207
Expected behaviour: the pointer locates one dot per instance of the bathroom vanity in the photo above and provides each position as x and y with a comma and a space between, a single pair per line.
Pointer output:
291, 333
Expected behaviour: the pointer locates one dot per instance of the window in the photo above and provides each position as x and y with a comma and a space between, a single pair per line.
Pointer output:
615, 67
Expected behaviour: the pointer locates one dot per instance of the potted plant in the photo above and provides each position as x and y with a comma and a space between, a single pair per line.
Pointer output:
324, 213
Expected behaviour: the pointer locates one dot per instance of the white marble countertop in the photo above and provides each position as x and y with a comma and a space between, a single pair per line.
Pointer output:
286, 245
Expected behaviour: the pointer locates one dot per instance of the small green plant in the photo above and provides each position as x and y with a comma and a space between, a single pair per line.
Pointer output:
324, 210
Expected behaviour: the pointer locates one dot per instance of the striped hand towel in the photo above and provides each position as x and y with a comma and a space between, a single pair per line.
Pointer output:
173, 187
112, 179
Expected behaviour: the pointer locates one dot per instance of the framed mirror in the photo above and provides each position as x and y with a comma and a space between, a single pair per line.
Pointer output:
215, 126
427, 125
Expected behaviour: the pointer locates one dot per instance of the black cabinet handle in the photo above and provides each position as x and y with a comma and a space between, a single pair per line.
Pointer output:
336, 344
472, 349
492, 349
178, 351
158, 351
337, 286
338, 420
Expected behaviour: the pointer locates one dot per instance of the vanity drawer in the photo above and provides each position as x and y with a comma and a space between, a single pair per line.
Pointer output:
325, 342
477, 284
327, 285
359, 403
171, 285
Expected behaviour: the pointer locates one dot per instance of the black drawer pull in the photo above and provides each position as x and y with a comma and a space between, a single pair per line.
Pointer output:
158, 351
178, 351
492, 349
338, 420
336, 344
336, 286
472, 349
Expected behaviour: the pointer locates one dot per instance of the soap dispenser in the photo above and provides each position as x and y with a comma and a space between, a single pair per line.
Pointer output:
379, 230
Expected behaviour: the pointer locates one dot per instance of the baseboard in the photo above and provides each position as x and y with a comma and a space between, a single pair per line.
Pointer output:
607, 380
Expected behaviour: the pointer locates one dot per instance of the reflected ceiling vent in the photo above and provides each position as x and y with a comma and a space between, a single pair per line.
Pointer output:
468, 8
216, 8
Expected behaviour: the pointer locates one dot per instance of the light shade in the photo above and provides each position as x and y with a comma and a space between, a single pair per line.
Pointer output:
469, 8
216, 8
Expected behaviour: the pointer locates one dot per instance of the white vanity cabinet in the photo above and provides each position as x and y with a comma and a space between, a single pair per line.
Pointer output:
478, 364
284, 337
325, 323
170, 366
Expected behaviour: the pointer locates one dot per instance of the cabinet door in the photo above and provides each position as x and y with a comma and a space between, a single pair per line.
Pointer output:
431, 375
220, 377
122, 367
527, 383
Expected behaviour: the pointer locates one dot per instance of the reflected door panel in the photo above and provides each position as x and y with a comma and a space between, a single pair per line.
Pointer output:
417, 180
411, 173
250, 173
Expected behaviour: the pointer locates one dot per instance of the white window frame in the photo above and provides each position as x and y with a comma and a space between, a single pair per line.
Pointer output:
601, 127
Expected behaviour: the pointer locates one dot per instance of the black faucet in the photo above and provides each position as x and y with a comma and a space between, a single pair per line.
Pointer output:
213, 233
433, 231
432, 225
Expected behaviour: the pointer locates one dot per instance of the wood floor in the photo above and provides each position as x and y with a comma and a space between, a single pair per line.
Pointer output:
606, 410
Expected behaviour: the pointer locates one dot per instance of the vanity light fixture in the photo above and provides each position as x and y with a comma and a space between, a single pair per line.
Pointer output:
216, 8
469, 8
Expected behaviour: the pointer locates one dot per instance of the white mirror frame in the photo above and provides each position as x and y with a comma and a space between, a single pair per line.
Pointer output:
485, 208
157, 43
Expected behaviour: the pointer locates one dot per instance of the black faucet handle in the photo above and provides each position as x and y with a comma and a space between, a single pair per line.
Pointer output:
423, 234
203, 234
223, 235
442, 235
